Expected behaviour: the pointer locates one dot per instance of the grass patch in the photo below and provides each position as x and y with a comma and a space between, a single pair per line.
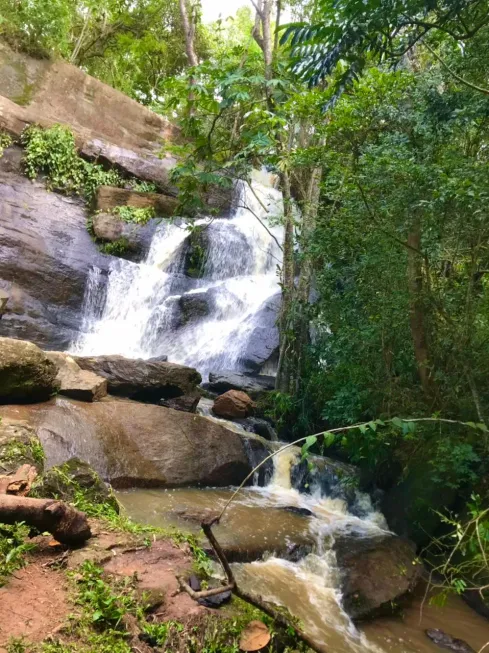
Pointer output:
13, 549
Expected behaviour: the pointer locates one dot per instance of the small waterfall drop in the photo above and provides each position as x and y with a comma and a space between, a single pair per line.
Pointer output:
146, 305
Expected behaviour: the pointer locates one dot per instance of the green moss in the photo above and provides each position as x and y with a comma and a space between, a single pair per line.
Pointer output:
118, 247
134, 215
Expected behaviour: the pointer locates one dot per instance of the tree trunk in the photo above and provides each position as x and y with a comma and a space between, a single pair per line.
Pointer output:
189, 29
417, 315
285, 323
67, 525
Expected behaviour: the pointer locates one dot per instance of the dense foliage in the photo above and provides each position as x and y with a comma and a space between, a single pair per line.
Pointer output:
374, 117
132, 46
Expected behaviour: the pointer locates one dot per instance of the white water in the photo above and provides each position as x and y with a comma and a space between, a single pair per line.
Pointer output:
310, 588
138, 319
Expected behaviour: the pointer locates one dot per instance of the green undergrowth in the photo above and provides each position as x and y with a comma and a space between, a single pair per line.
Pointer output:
106, 608
118, 247
13, 548
133, 215
53, 153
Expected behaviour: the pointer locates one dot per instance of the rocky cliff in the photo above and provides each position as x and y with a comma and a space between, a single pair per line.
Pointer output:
46, 251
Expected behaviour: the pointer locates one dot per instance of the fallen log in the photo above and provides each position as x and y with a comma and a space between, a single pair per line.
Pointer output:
66, 524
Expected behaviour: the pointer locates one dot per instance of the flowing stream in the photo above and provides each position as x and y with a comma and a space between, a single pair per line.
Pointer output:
266, 522
140, 315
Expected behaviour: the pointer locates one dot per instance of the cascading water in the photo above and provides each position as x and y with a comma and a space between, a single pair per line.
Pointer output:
264, 518
145, 307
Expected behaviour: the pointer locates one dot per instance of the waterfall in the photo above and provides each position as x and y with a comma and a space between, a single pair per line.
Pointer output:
155, 308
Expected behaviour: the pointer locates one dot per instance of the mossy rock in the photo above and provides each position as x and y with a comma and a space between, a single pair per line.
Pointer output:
26, 374
19, 445
73, 478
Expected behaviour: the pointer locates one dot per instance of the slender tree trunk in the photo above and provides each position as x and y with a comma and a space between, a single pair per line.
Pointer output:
417, 313
277, 25
287, 280
189, 29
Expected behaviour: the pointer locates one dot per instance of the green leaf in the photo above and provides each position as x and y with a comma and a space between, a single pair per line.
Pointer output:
310, 442
329, 439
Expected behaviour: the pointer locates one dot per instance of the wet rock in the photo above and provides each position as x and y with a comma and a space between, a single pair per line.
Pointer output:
376, 572
254, 386
136, 238
259, 426
75, 475
186, 403
75, 382
26, 374
132, 444
263, 341
448, 642
157, 359
142, 380
46, 254
233, 404
194, 307
299, 511
19, 445
217, 600
335, 479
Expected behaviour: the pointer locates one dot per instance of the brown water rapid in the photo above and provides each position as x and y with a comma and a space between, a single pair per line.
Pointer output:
260, 525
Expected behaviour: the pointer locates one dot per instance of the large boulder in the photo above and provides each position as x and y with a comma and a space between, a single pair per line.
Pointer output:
110, 197
107, 124
26, 374
142, 380
253, 385
133, 444
75, 382
233, 404
376, 572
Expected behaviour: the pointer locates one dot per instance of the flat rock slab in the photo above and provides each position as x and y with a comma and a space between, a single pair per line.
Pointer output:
142, 380
75, 382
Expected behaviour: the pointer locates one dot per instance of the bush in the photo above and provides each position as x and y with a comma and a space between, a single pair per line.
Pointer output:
53, 153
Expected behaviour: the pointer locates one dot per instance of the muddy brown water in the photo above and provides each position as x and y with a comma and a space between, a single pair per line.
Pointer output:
258, 522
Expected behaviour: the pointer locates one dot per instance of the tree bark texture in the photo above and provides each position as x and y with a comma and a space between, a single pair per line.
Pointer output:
68, 525
417, 312
189, 29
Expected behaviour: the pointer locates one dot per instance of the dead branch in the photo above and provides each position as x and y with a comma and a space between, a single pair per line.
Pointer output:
258, 602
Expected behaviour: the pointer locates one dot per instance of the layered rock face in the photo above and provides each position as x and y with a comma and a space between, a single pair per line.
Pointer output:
46, 253
106, 123
144, 380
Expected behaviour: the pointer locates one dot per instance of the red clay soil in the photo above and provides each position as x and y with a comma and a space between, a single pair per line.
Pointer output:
34, 602
156, 569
